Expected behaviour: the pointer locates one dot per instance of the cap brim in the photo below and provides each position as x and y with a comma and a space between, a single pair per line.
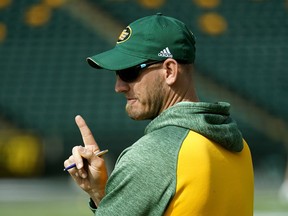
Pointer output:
114, 60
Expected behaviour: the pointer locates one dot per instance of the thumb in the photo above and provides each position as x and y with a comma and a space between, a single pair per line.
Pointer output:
86, 153
90, 156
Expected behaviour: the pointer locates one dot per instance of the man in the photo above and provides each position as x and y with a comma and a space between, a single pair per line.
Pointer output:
192, 159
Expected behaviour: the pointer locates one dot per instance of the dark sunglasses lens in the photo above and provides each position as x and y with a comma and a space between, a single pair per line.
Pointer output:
131, 74
128, 75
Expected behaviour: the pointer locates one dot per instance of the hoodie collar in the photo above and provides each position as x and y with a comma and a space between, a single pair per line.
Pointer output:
211, 120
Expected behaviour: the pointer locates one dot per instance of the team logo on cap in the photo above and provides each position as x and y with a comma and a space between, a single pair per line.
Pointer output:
125, 35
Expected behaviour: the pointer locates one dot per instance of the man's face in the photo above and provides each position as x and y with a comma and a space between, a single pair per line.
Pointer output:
145, 96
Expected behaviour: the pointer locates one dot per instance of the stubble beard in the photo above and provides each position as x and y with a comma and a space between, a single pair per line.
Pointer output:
149, 107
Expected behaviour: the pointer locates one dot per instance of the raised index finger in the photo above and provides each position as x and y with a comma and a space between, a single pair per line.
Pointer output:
86, 133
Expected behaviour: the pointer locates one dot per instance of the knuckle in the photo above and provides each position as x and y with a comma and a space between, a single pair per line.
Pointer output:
75, 148
65, 163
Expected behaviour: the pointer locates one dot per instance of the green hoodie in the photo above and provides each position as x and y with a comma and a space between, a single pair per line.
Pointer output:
178, 166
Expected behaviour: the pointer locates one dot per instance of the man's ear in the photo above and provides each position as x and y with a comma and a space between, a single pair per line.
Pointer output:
171, 71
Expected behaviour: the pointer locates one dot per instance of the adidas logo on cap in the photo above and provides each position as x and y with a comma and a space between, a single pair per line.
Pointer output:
165, 53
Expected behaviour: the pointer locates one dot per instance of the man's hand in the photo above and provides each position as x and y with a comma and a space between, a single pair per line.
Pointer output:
90, 172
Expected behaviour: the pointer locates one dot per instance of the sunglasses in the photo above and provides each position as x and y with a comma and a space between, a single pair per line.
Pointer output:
131, 74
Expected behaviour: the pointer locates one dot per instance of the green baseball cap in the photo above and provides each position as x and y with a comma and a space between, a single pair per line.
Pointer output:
155, 37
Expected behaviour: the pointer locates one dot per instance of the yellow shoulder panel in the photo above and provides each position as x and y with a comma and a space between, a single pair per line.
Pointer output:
212, 180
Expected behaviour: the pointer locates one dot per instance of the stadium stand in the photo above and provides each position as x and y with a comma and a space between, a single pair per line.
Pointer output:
45, 80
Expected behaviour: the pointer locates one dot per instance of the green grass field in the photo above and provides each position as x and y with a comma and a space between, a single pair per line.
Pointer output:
268, 203
78, 206
59, 197
45, 208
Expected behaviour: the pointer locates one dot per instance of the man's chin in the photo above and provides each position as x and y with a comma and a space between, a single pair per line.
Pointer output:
134, 116
139, 115
134, 113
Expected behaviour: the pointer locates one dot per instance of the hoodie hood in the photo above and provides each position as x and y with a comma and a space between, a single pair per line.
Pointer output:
211, 120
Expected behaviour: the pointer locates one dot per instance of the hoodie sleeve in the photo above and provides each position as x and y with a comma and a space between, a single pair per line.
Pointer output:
131, 190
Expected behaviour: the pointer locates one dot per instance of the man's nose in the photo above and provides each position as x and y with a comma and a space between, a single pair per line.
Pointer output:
120, 85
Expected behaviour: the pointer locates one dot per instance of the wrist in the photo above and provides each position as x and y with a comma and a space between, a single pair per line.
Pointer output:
96, 196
